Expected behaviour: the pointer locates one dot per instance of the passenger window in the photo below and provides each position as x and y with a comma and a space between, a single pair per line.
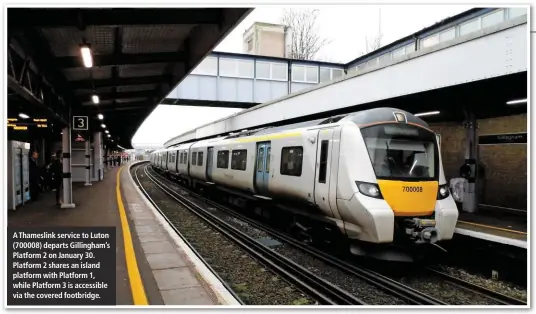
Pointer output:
194, 159
260, 158
323, 161
291, 161
200, 158
268, 159
223, 159
180, 158
239, 159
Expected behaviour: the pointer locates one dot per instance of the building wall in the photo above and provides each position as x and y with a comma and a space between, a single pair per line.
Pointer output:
271, 44
505, 181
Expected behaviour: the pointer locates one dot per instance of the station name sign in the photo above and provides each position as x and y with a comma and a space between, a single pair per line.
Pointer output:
506, 138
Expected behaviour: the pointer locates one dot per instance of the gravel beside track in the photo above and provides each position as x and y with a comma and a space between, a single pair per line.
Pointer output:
251, 281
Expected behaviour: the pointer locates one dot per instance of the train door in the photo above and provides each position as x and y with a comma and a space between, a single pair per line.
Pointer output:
323, 169
210, 156
262, 168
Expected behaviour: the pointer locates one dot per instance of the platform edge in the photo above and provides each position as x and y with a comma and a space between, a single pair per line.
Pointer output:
214, 283
491, 237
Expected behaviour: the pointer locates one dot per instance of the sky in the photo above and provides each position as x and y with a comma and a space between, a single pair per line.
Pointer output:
346, 44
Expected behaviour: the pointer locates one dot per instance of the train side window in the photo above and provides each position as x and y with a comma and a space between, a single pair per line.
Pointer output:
223, 159
200, 158
291, 161
260, 157
239, 159
180, 158
323, 161
194, 158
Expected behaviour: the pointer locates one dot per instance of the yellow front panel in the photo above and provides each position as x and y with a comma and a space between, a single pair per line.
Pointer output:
410, 198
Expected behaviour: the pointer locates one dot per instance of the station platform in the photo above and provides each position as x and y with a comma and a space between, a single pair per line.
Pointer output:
153, 265
494, 226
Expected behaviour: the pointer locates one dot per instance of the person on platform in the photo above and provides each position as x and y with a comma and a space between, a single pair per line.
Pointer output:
57, 175
34, 176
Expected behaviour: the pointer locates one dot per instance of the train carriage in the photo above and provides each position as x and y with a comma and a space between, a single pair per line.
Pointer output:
375, 175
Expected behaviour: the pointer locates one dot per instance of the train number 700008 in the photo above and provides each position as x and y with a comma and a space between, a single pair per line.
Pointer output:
412, 188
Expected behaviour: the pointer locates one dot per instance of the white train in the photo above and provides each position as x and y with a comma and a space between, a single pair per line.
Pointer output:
373, 176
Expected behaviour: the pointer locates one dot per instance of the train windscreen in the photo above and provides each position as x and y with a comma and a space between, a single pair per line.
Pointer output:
402, 151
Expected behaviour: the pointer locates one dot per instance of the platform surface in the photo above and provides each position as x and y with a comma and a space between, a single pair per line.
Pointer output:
166, 274
495, 227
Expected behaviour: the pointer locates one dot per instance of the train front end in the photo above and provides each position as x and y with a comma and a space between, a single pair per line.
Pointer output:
402, 194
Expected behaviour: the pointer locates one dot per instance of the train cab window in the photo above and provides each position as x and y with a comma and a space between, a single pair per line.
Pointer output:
194, 159
402, 152
239, 159
291, 161
223, 159
323, 161
200, 158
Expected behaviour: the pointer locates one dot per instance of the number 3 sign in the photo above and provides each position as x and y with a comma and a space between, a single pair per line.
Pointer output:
80, 123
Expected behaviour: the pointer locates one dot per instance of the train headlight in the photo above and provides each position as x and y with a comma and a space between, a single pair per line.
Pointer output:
369, 189
443, 192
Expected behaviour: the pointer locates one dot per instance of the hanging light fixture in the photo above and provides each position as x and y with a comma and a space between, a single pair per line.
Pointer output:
85, 51
95, 99
100, 116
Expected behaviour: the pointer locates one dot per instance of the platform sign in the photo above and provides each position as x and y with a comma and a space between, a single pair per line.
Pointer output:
507, 138
80, 123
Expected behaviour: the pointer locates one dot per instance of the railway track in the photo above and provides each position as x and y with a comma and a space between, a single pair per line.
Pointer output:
499, 297
317, 288
392, 287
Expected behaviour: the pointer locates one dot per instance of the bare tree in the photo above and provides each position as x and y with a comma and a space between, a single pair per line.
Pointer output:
376, 41
305, 39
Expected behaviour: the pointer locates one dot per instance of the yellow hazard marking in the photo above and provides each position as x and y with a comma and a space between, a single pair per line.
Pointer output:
136, 284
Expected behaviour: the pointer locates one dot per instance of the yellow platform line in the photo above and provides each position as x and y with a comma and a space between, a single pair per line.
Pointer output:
491, 227
136, 284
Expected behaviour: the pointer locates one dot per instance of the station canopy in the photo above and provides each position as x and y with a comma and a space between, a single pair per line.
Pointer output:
136, 57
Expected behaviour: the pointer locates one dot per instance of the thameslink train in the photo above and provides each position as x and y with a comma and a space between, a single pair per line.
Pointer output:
374, 176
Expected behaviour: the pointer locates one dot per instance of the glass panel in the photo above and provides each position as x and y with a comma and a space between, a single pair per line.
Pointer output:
430, 41
385, 58
372, 62
209, 66
268, 159
312, 74
447, 35
399, 53
515, 12
336, 73
245, 68
470, 27
298, 73
228, 67
410, 48
260, 157
325, 75
402, 152
279, 71
200, 159
263, 70
493, 18
291, 161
